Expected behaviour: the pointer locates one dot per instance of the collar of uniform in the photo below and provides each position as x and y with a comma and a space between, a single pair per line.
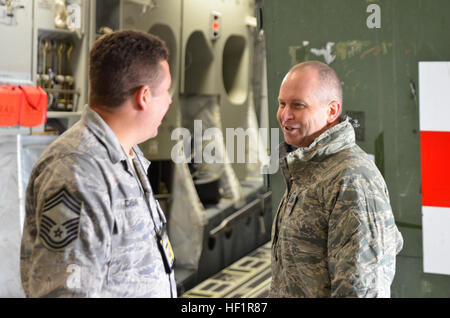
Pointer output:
99, 128
138, 153
331, 141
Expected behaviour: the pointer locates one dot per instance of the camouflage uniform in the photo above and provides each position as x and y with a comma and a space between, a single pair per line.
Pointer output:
90, 226
334, 233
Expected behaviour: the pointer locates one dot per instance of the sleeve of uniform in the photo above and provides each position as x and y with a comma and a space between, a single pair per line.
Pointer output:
68, 249
363, 239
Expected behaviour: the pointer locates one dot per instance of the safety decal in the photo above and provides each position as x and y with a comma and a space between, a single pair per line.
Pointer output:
248, 277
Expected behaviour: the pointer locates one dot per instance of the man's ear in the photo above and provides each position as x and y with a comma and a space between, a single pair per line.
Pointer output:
143, 96
334, 110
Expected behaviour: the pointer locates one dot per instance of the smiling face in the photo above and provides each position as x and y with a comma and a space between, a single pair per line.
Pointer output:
302, 113
161, 96
161, 99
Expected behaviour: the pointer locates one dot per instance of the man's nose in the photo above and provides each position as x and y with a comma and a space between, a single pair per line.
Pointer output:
287, 114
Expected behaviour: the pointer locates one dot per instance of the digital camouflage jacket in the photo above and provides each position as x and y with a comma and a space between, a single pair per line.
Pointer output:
334, 233
90, 225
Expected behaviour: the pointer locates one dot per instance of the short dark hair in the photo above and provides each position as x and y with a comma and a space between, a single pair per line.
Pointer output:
120, 63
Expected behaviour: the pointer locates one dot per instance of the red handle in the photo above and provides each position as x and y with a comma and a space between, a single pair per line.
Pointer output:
30, 102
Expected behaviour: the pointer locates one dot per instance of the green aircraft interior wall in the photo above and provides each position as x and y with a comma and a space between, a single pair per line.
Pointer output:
379, 71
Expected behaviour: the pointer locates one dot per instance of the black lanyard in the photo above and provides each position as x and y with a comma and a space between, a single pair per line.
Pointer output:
145, 183
146, 187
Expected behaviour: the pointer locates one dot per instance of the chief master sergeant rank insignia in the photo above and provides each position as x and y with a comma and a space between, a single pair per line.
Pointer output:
59, 220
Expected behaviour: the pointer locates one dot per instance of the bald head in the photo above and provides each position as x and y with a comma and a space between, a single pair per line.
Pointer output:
328, 85
310, 102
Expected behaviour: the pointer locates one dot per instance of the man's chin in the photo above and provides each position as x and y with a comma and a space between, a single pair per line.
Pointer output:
150, 137
293, 142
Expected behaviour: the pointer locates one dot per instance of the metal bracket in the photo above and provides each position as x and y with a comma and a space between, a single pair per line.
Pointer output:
240, 215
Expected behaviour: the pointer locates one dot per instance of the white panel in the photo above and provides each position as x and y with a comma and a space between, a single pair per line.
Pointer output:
13, 182
10, 284
436, 240
434, 96
16, 49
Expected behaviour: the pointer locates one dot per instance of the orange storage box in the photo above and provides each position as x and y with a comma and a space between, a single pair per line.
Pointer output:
34, 107
11, 99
